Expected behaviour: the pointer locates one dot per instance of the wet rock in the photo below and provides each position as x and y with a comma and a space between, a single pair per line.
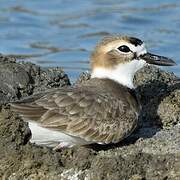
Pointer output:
23, 79
151, 152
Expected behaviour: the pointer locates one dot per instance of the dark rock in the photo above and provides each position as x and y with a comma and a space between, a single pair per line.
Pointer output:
153, 87
23, 79
14, 80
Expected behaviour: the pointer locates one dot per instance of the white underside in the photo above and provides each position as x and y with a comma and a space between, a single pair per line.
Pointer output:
48, 137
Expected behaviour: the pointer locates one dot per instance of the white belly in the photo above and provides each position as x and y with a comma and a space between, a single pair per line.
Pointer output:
48, 137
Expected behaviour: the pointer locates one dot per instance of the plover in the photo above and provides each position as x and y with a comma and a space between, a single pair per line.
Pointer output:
102, 110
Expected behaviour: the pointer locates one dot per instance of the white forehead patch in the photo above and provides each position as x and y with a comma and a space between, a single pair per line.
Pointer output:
139, 49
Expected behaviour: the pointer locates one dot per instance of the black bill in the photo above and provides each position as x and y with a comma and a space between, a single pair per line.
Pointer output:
157, 60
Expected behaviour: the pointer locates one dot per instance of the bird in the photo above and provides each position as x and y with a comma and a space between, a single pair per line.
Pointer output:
103, 110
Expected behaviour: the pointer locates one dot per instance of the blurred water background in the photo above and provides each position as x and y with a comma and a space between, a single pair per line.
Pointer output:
64, 32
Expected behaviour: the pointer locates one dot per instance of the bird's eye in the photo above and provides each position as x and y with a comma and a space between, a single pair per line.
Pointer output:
124, 49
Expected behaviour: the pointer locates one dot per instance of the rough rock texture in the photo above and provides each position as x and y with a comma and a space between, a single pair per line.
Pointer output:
23, 79
151, 152
159, 93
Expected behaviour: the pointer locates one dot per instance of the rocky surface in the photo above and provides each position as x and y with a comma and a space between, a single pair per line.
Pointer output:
151, 152
23, 79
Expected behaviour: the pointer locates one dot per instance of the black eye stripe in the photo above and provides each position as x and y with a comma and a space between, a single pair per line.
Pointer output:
124, 48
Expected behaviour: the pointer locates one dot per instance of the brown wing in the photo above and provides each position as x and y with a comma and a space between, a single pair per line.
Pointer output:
81, 112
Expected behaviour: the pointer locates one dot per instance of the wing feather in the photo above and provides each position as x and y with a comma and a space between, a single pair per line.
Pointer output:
84, 113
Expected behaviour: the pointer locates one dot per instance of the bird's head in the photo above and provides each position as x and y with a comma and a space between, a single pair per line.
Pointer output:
120, 57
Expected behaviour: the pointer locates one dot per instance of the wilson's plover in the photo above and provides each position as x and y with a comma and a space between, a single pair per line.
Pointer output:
102, 110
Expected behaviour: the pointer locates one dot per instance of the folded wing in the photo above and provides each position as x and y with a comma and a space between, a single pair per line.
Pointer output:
81, 112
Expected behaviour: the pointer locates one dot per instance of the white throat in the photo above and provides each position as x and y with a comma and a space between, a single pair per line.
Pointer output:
123, 73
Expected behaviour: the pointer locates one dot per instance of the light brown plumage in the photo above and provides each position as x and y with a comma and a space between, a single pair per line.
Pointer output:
85, 111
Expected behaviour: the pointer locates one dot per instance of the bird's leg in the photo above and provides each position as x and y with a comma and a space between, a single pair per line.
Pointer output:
63, 145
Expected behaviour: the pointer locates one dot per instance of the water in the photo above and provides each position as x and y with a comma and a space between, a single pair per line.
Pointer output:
64, 32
